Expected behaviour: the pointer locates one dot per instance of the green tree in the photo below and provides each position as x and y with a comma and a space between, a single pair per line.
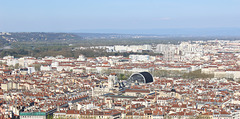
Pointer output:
122, 77
49, 116
16, 66
37, 67
106, 71
197, 74
11, 67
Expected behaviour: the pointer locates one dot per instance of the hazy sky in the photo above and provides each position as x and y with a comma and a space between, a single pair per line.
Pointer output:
80, 15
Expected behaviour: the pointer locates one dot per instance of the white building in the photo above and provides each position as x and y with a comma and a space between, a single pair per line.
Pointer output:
139, 58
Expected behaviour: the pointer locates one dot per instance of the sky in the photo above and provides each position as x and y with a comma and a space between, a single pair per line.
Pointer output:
117, 15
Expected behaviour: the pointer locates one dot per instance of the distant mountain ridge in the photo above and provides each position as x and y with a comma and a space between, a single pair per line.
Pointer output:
98, 38
37, 36
12, 37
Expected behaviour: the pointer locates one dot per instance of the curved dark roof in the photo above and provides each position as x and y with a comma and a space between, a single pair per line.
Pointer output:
173, 90
148, 77
141, 77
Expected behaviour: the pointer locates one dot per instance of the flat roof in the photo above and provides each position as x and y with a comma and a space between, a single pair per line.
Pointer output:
32, 114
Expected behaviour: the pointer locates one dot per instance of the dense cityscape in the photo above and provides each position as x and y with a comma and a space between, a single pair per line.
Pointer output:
193, 79
119, 59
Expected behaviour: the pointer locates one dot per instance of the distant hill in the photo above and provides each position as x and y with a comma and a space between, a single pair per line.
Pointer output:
3, 41
96, 39
40, 44
37, 37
